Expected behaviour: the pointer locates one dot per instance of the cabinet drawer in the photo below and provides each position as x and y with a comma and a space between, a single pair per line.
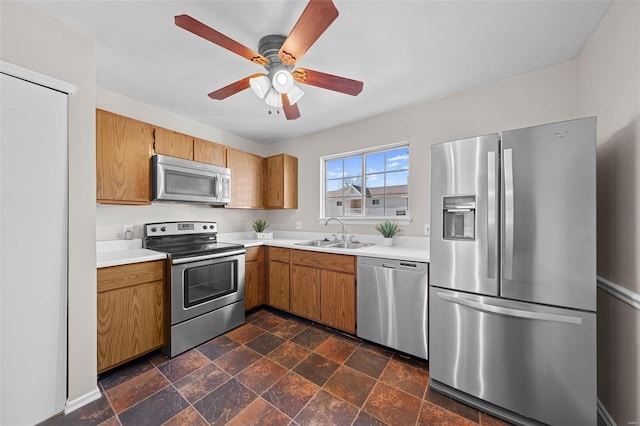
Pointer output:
254, 254
114, 277
334, 262
278, 254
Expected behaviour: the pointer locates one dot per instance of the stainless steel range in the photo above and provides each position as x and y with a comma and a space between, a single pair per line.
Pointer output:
205, 291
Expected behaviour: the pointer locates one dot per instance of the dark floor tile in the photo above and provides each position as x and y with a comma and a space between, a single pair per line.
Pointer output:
217, 347
412, 361
392, 405
268, 321
404, 377
366, 419
350, 385
154, 410
432, 415
265, 343
261, 413
245, 333
125, 372
310, 338
354, 340
183, 364
94, 413
224, 403
316, 368
237, 360
201, 382
136, 389
158, 358
452, 405
335, 349
255, 314
260, 375
377, 349
327, 409
369, 363
288, 329
291, 393
288, 354
189, 416
113, 421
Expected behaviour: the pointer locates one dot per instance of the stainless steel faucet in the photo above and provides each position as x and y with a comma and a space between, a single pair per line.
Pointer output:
341, 223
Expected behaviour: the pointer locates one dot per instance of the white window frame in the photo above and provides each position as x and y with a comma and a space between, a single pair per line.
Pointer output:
359, 220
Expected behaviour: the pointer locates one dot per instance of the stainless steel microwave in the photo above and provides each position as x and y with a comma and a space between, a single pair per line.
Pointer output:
184, 181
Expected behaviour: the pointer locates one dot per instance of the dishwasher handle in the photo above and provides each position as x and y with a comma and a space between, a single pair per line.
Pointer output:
405, 266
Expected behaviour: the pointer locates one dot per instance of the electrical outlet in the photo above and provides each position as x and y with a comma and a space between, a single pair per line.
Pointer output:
298, 224
427, 229
127, 232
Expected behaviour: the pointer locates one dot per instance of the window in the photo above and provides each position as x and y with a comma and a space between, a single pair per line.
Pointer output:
367, 184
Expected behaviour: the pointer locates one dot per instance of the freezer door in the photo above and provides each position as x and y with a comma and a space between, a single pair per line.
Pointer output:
464, 213
538, 362
549, 214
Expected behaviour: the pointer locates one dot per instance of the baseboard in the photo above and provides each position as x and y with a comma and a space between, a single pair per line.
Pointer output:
603, 415
619, 292
81, 401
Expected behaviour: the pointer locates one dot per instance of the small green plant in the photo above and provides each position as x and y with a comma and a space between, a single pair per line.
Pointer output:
259, 225
387, 228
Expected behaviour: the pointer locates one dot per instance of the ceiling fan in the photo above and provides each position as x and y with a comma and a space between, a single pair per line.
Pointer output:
278, 54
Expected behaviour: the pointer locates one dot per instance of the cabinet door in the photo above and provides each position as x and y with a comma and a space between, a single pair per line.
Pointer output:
246, 179
254, 284
281, 185
123, 152
168, 142
208, 152
304, 292
279, 285
130, 323
338, 304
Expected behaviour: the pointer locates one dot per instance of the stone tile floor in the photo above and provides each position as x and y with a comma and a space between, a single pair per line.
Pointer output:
276, 369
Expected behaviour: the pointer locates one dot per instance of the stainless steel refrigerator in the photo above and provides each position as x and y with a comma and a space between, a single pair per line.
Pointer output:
512, 328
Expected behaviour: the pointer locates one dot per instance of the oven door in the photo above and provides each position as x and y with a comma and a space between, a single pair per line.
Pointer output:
206, 283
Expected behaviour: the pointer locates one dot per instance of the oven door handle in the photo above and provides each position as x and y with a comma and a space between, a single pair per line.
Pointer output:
208, 257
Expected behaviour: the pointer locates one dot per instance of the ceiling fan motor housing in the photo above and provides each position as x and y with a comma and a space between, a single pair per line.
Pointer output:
269, 46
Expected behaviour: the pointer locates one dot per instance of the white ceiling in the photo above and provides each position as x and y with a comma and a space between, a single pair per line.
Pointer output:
405, 52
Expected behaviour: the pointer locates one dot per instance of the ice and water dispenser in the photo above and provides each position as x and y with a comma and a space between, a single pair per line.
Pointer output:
459, 216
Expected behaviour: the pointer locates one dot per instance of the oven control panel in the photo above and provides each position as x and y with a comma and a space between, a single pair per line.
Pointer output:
180, 228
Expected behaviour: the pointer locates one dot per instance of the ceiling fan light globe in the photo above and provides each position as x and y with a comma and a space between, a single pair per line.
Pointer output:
260, 85
273, 99
282, 81
295, 94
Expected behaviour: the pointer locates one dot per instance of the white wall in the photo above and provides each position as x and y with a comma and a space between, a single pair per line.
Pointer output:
539, 97
608, 85
37, 42
110, 218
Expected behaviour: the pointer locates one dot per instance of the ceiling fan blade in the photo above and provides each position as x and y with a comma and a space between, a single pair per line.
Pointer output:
198, 28
232, 88
315, 19
290, 111
328, 81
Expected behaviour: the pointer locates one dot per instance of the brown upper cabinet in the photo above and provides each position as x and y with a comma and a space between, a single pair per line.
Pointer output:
168, 142
123, 149
208, 152
281, 183
246, 179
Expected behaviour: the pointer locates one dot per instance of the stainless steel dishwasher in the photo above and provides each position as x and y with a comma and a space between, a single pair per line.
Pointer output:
393, 304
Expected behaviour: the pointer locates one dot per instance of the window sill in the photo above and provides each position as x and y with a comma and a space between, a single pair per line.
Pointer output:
358, 220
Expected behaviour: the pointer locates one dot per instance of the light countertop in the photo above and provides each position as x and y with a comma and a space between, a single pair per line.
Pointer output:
122, 252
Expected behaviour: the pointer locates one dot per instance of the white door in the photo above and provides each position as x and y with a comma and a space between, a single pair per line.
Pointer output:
33, 251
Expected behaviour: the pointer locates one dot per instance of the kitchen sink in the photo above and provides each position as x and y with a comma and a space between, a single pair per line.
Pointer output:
333, 244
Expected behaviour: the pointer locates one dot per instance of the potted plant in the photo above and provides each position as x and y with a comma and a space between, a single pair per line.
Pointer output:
388, 229
260, 225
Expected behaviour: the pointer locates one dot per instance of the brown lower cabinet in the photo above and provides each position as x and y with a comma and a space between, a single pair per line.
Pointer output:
254, 288
317, 286
130, 312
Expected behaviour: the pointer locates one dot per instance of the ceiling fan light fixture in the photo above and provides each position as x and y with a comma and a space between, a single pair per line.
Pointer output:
260, 85
282, 81
273, 99
294, 94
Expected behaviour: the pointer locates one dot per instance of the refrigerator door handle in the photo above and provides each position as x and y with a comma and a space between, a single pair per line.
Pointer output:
508, 214
501, 310
492, 234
